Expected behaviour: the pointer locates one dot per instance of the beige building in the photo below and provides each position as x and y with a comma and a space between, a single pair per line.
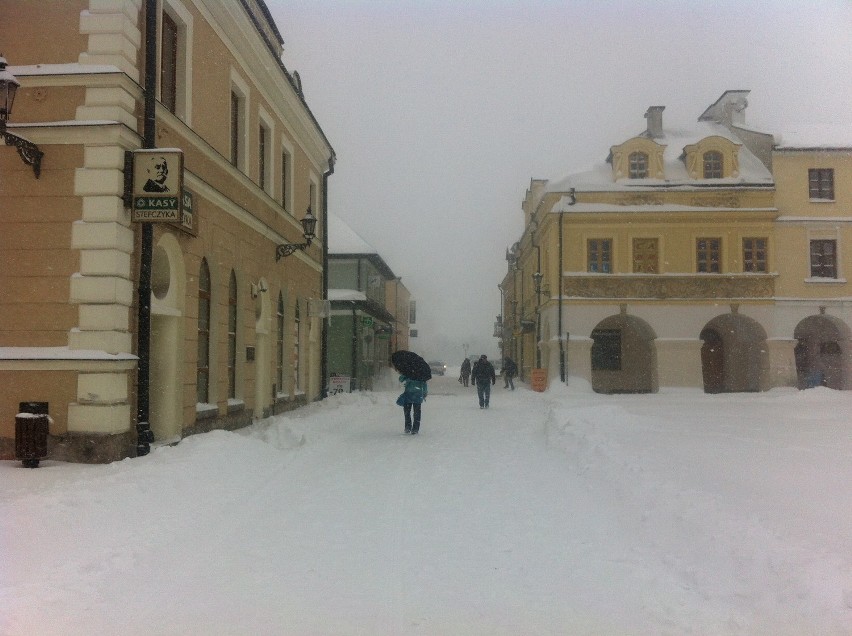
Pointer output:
707, 257
236, 328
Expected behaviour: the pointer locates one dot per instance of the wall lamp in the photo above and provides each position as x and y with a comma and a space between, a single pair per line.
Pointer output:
309, 224
27, 150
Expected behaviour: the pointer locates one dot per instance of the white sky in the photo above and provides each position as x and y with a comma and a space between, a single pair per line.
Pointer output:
566, 512
442, 111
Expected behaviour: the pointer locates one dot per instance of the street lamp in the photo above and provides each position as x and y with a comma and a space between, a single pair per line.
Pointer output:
27, 150
309, 224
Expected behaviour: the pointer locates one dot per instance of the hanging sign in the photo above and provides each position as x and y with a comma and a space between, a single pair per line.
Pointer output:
157, 185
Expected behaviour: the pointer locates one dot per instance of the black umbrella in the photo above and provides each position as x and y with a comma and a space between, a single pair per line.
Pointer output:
411, 365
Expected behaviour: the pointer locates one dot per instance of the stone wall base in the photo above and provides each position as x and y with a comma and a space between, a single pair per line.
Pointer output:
81, 448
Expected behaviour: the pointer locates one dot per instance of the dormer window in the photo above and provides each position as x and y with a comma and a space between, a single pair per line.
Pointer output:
713, 165
638, 165
713, 157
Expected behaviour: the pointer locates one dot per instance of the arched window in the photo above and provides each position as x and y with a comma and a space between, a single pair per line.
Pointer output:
202, 375
232, 336
638, 165
297, 338
712, 165
279, 346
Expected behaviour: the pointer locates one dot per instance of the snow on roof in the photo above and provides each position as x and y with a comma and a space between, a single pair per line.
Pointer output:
837, 135
346, 294
599, 178
342, 239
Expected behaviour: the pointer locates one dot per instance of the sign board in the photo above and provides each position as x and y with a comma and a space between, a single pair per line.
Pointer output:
538, 379
339, 384
367, 321
157, 185
187, 220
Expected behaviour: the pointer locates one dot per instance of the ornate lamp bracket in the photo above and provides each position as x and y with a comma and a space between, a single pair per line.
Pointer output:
27, 150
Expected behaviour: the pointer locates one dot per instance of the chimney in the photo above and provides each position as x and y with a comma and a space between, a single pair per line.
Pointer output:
654, 115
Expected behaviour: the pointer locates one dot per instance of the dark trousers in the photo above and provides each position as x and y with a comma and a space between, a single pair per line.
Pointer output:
407, 410
510, 382
483, 390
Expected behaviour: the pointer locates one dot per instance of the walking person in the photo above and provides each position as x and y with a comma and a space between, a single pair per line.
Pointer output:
465, 372
484, 377
411, 399
510, 370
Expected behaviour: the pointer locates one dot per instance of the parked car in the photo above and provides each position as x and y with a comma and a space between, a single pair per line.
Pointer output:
438, 368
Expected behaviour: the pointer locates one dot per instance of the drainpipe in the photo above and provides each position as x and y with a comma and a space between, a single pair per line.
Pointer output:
144, 435
571, 201
325, 323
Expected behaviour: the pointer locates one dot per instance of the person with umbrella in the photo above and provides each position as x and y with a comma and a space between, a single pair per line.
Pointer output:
414, 374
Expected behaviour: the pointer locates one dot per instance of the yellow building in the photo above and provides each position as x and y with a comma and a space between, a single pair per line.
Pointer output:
690, 258
235, 319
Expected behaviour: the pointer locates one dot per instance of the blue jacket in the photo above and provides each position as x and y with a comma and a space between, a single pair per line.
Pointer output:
415, 391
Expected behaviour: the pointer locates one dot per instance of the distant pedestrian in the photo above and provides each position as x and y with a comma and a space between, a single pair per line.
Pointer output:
484, 377
411, 399
510, 370
465, 372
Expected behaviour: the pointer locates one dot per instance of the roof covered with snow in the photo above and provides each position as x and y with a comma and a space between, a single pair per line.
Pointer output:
600, 177
342, 239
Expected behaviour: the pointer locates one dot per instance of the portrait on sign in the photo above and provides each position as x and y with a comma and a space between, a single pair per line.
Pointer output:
157, 185
157, 172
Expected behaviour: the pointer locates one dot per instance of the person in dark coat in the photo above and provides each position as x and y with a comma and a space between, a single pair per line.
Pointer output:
465, 372
510, 370
411, 399
484, 377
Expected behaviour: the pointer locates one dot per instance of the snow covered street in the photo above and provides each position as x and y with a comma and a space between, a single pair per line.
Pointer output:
559, 513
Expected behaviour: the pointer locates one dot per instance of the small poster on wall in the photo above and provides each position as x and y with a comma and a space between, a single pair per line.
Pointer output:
157, 185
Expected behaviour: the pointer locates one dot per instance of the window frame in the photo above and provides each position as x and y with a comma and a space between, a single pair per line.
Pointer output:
713, 164
708, 258
297, 343
819, 188
238, 114
286, 172
279, 344
637, 169
599, 255
752, 261
817, 268
204, 323
233, 326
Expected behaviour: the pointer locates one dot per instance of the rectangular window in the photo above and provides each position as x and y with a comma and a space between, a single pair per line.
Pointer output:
707, 255
754, 255
824, 259
713, 165
235, 128
279, 346
599, 253
606, 350
168, 64
412, 312
262, 137
646, 255
821, 183
232, 338
638, 165
286, 167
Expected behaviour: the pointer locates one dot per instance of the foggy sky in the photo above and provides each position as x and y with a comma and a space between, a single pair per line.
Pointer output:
441, 112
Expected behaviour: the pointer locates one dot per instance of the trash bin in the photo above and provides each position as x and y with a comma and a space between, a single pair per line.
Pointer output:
32, 424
